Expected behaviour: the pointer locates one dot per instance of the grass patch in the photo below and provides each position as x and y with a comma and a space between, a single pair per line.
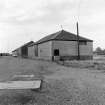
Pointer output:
93, 64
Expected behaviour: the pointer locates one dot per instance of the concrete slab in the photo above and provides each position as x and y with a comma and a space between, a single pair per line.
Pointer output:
35, 84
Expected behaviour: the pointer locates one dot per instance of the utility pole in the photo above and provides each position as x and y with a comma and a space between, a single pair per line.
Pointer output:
78, 47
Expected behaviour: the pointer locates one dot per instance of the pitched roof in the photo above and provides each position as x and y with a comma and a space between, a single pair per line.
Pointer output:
63, 36
25, 45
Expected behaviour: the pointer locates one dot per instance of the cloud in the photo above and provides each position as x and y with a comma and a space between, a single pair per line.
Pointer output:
27, 19
14, 9
29, 11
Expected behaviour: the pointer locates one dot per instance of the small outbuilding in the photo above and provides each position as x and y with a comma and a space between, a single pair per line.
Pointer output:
61, 45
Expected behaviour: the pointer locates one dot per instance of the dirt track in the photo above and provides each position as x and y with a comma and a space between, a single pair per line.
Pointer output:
62, 86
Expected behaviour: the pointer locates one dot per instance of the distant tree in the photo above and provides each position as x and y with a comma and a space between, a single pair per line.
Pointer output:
99, 51
104, 51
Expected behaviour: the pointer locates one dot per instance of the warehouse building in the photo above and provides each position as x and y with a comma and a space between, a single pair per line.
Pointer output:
22, 51
61, 45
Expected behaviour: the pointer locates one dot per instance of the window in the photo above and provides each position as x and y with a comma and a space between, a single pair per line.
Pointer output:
83, 43
56, 52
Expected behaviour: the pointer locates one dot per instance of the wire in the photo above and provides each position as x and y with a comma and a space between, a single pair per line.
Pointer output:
78, 10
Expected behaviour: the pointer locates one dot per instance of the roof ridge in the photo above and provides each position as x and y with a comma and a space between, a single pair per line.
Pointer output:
61, 35
57, 33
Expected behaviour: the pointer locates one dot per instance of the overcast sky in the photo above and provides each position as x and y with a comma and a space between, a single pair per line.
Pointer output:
25, 20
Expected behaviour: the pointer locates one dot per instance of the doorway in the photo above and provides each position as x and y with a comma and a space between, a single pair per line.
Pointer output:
56, 52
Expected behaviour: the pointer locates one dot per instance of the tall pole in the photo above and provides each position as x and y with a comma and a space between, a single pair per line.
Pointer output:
78, 47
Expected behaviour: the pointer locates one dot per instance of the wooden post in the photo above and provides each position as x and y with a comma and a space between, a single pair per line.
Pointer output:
78, 47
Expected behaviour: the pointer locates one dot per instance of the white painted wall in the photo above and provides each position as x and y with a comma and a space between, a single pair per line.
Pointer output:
45, 50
